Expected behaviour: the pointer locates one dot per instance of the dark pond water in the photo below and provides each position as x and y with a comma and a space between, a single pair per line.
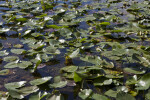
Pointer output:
52, 67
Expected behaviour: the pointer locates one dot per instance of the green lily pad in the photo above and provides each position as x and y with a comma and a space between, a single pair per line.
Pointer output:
84, 94
4, 72
134, 70
18, 51
14, 94
51, 50
35, 96
11, 65
102, 81
28, 90
14, 85
24, 64
132, 80
40, 80
69, 68
21, 19
58, 83
147, 97
75, 53
76, 77
18, 46
4, 30
99, 97
111, 93
105, 23
144, 82
55, 96
10, 58
3, 53
124, 96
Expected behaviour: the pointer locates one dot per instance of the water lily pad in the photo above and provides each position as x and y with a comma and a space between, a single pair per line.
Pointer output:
69, 68
28, 90
21, 19
14, 85
105, 23
99, 97
124, 96
18, 51
11, 65
58, 83
4, 30
102, 81
132, 80
24, 64
74, 53
36, 96
148, 95
55, 96
134, 70
40, 81
111, 93
144, 82
3, 53
18, 46
51, 50
4, 72
10, 58
84, 94
77, 78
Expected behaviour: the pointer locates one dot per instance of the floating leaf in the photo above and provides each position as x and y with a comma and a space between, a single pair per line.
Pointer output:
14, 85
76, 77
28, 90
75, 53
134, 70
69, 68
132, 80
55, 26
10, 58
55, 96
124, 96
40, 80
147, 97
99, 97
58, 84
35, 96
18, 46
11, 65
111, 93
21, 19
144, 82
105, 23
18, 51
4, 72
102, 81
4, 30
3, 53
84, 94
24, 64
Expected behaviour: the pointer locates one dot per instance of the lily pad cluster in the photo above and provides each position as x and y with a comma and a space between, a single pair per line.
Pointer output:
104, 46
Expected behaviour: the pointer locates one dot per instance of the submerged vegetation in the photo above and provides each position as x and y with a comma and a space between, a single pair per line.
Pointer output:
75, 49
